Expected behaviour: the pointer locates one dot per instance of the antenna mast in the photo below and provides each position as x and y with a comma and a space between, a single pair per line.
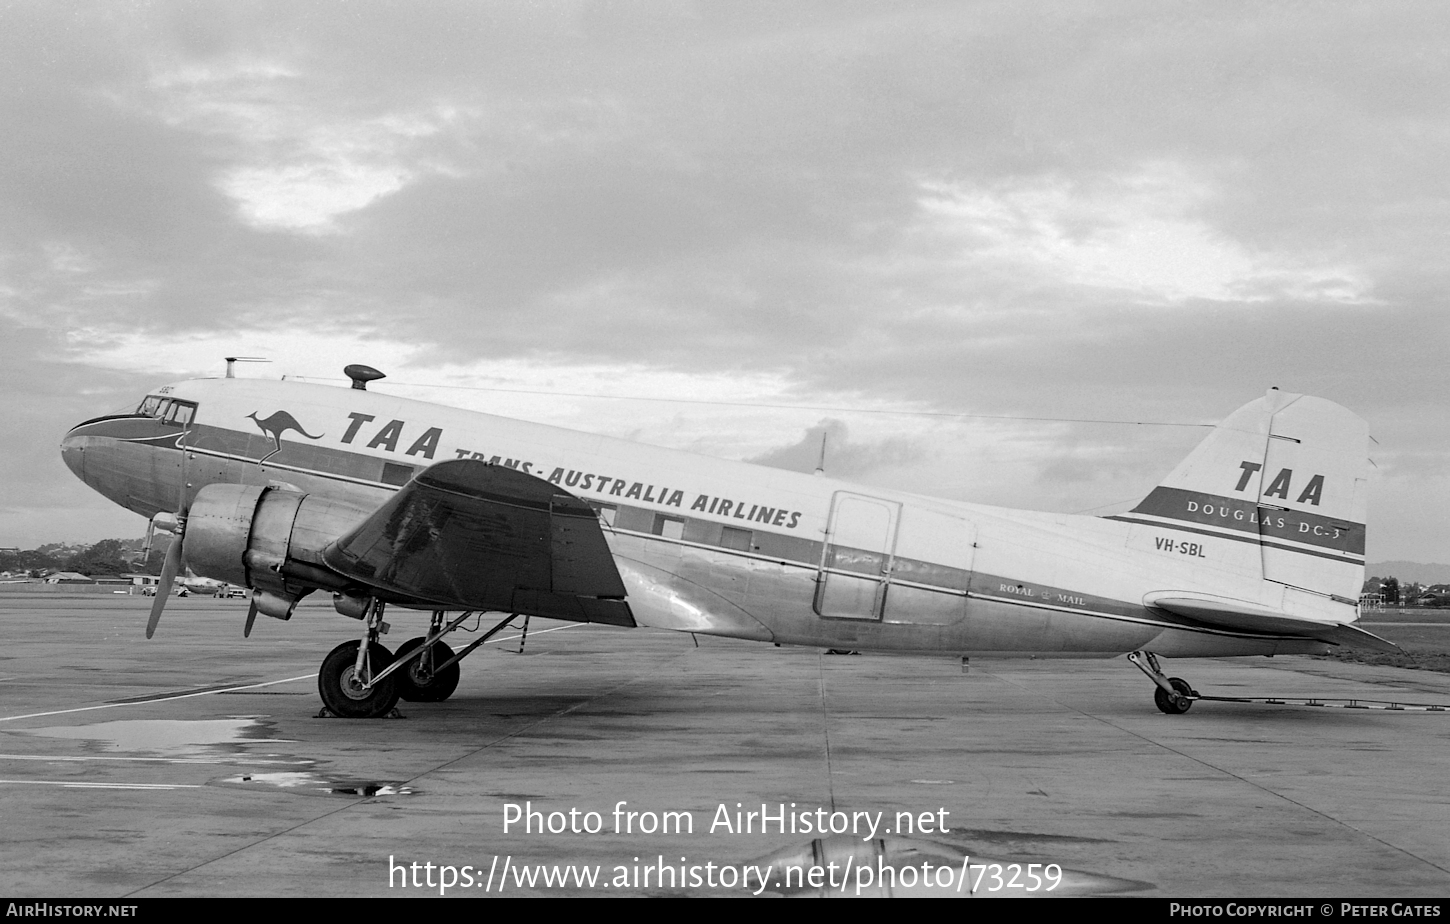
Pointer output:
233, 360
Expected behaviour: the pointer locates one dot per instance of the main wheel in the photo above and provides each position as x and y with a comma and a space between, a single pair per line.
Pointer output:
419, 685
342, 691
1173, 705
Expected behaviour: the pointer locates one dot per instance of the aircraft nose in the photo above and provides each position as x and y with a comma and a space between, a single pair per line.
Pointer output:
73, 452
116, 455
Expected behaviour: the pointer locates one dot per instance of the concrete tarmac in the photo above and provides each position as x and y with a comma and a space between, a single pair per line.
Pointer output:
194, 764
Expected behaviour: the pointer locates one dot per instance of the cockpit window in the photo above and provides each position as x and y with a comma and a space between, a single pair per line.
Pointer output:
168, 410
178, 413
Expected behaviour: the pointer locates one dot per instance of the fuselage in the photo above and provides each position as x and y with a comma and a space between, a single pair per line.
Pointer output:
708, 545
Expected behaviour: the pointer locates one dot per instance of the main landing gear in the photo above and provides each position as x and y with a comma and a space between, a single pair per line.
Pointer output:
354, 679
363, 680
421, 681
345, 686
1172, 695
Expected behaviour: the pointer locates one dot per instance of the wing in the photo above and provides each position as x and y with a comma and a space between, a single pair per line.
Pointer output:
1243, 616
471, 535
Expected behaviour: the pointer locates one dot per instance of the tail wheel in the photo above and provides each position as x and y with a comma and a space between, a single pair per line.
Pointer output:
342, 690
1174, 705
418, 683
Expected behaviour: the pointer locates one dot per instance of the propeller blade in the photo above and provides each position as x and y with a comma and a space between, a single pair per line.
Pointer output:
169, 571
251, 618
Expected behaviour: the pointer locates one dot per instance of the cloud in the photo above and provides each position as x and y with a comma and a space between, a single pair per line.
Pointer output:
45, 395
828, 447
293, 166
1143, 234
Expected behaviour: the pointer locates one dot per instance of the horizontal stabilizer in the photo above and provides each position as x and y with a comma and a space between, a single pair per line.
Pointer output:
1359, 638
471, 535
1243, 616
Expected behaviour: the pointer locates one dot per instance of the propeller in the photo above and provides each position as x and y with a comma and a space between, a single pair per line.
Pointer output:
169, 569
251, 618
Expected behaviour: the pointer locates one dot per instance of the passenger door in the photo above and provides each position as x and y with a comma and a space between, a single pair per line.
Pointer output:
856, 559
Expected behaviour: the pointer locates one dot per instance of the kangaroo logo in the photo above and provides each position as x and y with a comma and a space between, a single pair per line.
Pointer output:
276, 425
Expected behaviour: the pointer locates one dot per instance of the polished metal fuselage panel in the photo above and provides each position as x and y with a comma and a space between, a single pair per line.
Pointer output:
702, 545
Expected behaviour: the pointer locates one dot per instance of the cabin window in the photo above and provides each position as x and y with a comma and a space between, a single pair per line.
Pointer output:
669, 527
737, 539
604, 511
394, 473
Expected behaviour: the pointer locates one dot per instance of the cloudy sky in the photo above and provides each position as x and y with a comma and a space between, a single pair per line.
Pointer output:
1130, 211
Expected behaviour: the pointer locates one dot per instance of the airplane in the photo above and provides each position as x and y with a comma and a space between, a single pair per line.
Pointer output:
1253, 545
200, 585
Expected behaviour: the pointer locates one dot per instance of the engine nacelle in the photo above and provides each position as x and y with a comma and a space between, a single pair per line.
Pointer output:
268, 539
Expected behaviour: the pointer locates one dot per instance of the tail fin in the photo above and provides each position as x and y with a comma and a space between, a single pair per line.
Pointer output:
1287, 473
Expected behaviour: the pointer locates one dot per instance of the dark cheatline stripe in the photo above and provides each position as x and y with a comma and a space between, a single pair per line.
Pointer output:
296, 453
1347, 557
1246, 516
129, 427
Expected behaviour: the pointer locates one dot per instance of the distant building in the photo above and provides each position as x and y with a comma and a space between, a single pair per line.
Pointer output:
68, 577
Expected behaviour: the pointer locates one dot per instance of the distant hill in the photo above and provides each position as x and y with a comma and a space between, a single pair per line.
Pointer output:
1414, 571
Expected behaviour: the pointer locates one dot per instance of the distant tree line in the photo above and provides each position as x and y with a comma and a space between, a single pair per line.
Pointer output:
109, 556
1408, 593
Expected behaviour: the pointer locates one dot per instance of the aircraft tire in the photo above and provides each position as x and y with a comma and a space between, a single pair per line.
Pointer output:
1171, 706
341, 695
439, 687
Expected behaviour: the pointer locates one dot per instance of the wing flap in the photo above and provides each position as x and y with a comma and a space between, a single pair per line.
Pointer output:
466, 534
1244, 616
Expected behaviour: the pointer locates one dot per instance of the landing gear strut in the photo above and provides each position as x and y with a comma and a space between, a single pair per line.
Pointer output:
1172, 695
347, 681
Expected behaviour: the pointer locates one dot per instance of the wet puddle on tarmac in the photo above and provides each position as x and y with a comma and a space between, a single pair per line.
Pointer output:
313, 783
177, 738
221, 741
